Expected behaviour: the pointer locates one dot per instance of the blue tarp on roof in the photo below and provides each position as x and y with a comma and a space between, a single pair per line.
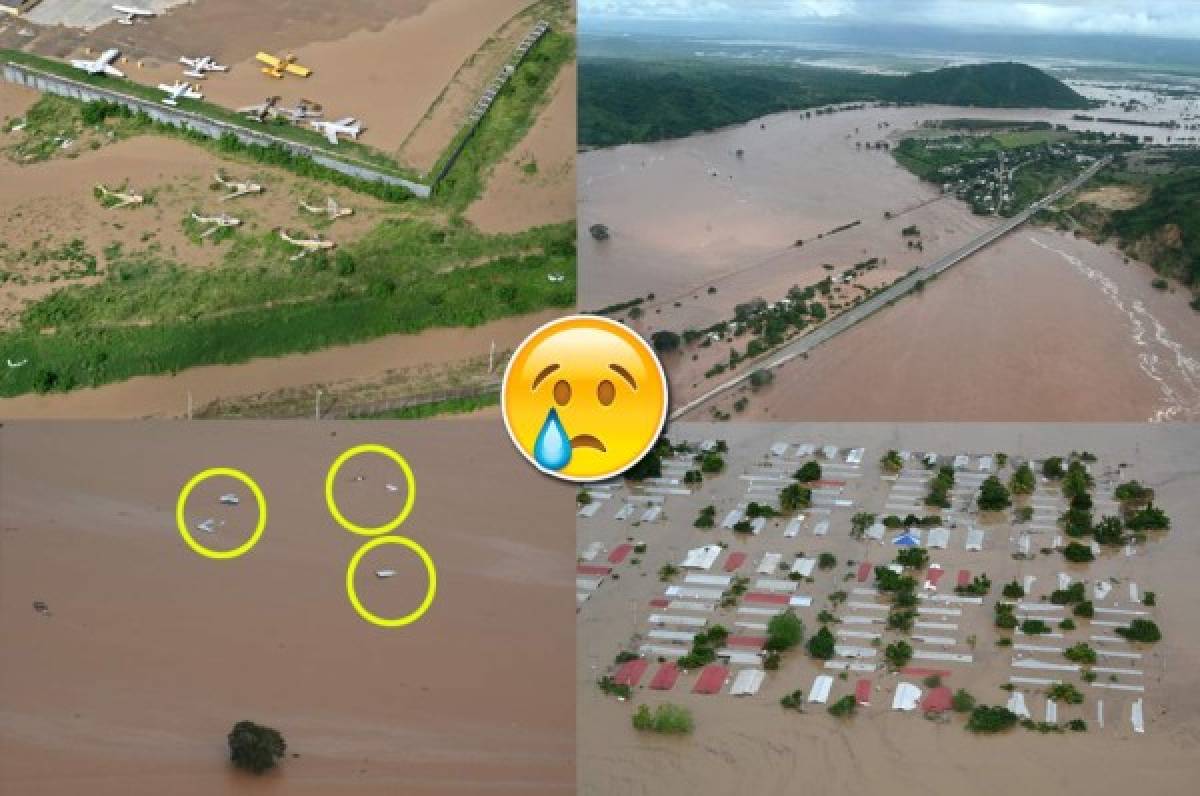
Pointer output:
906, 540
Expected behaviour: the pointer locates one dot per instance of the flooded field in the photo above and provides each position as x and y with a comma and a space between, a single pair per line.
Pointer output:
700, 225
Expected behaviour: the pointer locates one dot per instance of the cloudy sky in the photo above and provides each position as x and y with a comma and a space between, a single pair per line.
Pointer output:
1179, 18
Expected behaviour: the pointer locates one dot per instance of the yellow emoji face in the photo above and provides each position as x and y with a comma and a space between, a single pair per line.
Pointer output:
584, 398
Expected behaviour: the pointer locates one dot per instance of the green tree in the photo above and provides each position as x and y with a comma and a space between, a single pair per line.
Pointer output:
808, 472
794, 497
820, 644
962, 701
1078, 553
844, 707
784, 631
665, 341
1150, 518
898, 653
1053, 468
986, 719
1144, 630
913, 557
1077, 481
1023, 481
891, 462
1080, 653
254, 747
1109, 531
993, 495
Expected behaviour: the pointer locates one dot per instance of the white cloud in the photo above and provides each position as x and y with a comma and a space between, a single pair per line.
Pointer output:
1150, 17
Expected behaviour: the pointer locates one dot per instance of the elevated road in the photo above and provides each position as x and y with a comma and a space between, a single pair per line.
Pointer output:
903, 286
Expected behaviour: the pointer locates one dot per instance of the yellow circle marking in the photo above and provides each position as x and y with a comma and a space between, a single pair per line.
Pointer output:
430, 593
409, 481
181, 505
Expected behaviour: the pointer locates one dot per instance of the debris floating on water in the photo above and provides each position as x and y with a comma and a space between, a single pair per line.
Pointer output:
385, 573
230, 499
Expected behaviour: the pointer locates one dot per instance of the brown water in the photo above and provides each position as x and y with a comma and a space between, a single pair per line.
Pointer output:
1016, 332
751, 744
151, 653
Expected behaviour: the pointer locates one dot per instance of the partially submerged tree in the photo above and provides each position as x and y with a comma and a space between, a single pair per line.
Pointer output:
255, 748
993, 495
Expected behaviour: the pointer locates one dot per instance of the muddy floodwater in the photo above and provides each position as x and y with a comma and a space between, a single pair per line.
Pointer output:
1039, 326
144, 654
752, 744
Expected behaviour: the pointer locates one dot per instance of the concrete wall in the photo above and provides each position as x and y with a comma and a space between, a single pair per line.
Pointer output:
213, 128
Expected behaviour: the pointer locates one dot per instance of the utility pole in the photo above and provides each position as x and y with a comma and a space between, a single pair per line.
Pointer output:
492, 358
317, 407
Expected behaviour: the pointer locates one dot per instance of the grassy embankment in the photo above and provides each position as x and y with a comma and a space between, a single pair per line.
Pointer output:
506, 123
152, 316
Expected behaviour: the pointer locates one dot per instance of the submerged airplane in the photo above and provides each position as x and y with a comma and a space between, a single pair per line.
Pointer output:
307, 245
262, 110
100, 66
130, 14
331, 130
199, 67
331, 209
179, 90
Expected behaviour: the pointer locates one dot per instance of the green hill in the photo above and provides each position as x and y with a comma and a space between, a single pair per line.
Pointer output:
997, 85
1165, 229
625, 100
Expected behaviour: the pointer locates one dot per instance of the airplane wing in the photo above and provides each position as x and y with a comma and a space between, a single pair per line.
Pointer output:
113, 71
331, 134
300, 71
109, 56
347, 122
269, 60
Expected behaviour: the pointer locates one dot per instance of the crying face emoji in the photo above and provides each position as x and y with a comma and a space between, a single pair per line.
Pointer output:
584, 398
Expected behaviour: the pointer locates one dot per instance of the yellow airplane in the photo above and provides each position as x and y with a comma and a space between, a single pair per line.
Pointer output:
276, 66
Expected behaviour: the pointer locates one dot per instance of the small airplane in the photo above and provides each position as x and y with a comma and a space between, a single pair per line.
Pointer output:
307, 245
262, 110
131, 15
179, 90
123, 199
556, 278
331, 130
199, 67
237, 188
100, 66
216, 222
229, 499
20, 364
304, 109
331, 209
279, 65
